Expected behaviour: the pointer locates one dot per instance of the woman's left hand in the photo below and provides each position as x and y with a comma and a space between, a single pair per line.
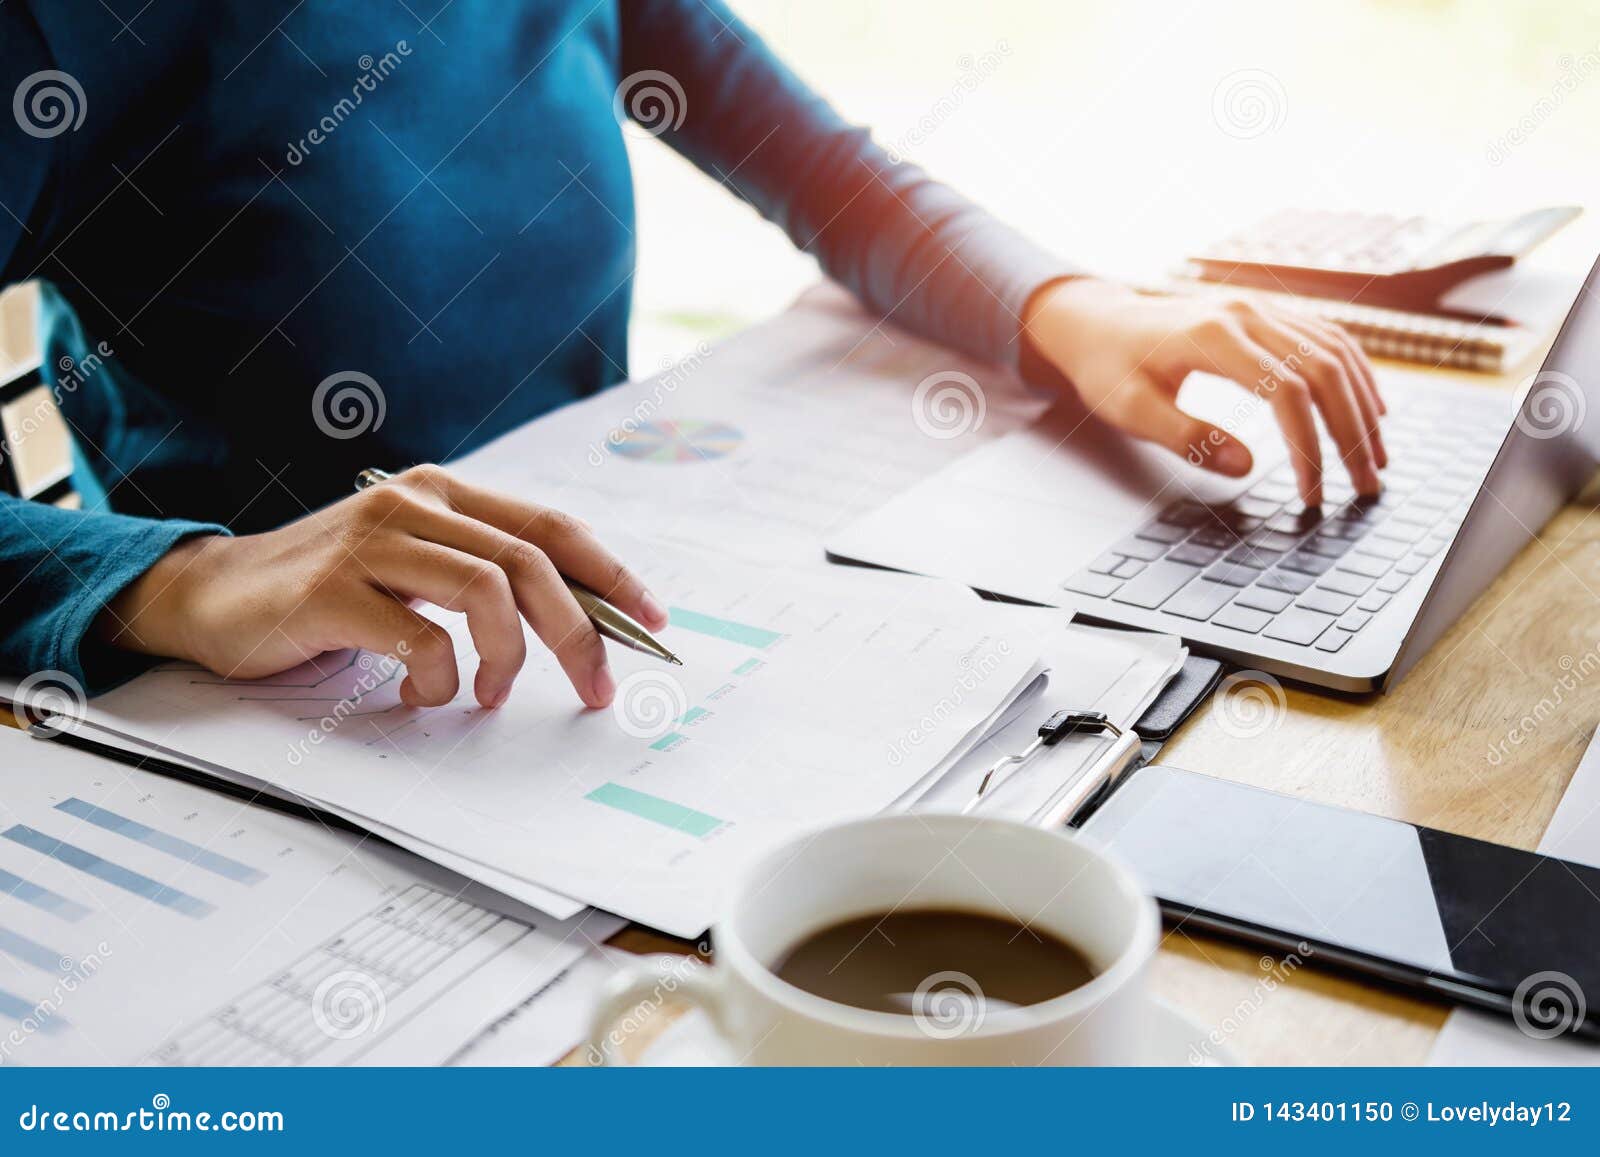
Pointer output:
1127, 354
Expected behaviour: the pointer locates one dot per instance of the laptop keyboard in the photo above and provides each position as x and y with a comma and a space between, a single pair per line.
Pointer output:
1265, 564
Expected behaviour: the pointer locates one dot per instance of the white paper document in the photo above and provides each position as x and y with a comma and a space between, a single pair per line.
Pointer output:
146, 920
767, 443
803, 700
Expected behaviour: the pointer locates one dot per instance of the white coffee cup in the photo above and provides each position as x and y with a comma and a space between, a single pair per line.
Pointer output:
1057, 883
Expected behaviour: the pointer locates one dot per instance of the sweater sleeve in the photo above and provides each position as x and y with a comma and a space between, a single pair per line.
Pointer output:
911, 249
58, 568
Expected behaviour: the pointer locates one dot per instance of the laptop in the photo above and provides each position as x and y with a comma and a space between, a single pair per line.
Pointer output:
1347, 597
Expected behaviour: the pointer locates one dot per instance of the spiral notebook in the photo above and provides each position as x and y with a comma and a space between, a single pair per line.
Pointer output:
1490, 347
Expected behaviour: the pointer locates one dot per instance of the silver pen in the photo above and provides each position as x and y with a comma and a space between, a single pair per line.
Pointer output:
610, 622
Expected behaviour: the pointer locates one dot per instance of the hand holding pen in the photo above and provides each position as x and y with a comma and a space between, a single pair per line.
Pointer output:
347, 576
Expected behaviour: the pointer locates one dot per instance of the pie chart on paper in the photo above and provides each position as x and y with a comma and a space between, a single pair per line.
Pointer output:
681, 441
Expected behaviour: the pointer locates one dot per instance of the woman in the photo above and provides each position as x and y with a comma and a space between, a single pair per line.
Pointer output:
239, 205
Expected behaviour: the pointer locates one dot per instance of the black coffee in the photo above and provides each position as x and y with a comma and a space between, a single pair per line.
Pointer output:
920, 961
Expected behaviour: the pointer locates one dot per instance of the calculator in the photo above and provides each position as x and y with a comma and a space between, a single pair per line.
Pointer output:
1385, 259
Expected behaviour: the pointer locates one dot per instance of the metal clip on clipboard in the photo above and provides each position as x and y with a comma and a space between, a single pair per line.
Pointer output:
1069, 801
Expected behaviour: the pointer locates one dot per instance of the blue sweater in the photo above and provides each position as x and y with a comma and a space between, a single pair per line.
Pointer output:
262, 201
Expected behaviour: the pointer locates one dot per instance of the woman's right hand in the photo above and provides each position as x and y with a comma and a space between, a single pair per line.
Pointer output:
347, 576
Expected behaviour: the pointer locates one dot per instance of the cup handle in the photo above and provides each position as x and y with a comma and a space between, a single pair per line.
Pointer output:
635, 986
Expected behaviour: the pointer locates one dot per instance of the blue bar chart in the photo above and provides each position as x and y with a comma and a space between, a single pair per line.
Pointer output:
228, 869
19, 947
107, 872
40, 897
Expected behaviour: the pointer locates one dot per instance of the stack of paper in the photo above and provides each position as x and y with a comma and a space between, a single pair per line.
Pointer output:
810, 693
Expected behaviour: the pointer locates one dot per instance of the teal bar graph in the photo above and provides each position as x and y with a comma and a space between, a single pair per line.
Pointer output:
668, 741
725, 629
691, 715
215, 862
656, 810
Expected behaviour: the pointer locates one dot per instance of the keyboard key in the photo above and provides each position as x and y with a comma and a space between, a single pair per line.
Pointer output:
1231, 575
1284, 580
1156, 585
1376, 601
1089, 583
1274, 540
1162, 532
1411, 564
1279, 492
1393, 582
1253, 557
1185, 514
1325, 545
1140, 548
1407, 532
1256, 507
1298, 625
1355, 620
1260, 599
1329, 602
1194, 554
1295, 524
1345, 582
1385, 548
1199, 600
1218, 536
1241, 618
1334, 640
1306, 563
1128, 568
1364, 564
1107, 562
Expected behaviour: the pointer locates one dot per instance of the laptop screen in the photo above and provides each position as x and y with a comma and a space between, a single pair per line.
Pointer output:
1550, 451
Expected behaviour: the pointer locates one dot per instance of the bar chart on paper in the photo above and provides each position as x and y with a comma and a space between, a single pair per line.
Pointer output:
794, 692
143, 919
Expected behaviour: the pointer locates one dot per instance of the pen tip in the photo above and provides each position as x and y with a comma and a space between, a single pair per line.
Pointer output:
675, 660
